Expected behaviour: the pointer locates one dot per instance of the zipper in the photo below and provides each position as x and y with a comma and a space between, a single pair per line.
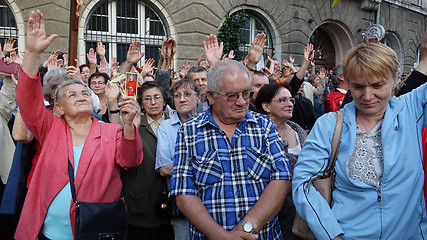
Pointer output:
379, 195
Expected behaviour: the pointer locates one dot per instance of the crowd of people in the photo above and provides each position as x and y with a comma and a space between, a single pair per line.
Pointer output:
217, 149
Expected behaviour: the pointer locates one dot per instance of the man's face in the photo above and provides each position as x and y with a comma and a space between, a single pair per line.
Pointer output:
201, 79
258, 82
231, 112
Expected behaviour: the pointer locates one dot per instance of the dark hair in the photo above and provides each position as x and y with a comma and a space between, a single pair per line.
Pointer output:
83, 66
267, 93
195, 69
98, 74
334, 76
185, 83
148, 85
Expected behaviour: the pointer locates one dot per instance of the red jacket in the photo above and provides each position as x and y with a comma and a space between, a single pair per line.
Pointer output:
333, 101
98, 175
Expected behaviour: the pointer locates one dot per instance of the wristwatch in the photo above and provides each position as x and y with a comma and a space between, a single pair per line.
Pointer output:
247, 226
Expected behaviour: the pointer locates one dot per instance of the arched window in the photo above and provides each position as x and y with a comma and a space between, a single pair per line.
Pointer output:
120, 22
8, 27
324, 51
253, 26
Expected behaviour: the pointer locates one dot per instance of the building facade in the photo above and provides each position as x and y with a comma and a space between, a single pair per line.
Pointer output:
289, 25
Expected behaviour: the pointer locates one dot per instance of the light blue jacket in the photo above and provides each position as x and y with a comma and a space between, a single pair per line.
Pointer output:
394, 211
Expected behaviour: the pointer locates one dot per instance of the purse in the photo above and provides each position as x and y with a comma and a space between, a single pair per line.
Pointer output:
98, 220
324, 184
166, 207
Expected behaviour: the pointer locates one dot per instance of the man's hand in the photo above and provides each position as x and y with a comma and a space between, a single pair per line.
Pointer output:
134, 55
8, 46
91, 56
37, 41
255, 51
213, 51
309, 53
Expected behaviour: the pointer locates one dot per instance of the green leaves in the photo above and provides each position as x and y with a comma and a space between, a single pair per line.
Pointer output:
230, 33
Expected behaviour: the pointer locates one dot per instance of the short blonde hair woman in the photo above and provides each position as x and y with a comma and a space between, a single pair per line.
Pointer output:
379, 178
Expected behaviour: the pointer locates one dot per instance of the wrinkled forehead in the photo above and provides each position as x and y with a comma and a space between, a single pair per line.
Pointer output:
74, 87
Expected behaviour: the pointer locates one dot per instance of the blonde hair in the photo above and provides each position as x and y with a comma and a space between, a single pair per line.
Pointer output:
373, 60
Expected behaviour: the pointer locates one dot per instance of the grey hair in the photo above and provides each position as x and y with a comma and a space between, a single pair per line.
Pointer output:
49, 75
49, 89
334, 76
220, 69
68, 83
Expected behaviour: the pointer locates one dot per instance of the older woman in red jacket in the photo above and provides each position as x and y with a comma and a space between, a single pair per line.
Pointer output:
95, 149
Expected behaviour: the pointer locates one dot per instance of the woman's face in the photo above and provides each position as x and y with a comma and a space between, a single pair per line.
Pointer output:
185, 99
371, 95
316, 82
281, 106
74, 100
153, 102
85, 73
97, 84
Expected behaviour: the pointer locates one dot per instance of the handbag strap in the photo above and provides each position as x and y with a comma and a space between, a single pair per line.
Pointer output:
335, 145
71, 177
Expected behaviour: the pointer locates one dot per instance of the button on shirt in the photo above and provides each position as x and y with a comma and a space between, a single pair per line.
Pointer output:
229, 177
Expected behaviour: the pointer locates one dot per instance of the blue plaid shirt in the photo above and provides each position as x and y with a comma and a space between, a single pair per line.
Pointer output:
229, 178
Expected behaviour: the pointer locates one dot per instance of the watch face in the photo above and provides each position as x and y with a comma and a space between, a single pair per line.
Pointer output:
247, 227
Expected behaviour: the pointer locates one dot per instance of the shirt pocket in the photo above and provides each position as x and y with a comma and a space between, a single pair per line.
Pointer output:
207, 169
258, 164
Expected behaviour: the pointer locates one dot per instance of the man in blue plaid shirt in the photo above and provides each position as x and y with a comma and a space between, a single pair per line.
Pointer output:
231, 174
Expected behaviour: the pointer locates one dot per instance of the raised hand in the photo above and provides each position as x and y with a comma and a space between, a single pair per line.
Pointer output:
147, 67
230, 55
213, 51
37, 41
73, 71
100, 49
255, 51
291, 58
65, 56
8, 46
309, 52
112, 91
199, 60
134, 55
91, 56
114, 66
169, 50
184, 69
52, 62
16, 58
322, 73
103, 66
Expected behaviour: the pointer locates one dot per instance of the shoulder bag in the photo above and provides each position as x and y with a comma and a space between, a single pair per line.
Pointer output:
98, 220
324, 184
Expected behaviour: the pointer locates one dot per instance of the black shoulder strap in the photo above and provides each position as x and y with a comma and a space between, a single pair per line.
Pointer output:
71, 177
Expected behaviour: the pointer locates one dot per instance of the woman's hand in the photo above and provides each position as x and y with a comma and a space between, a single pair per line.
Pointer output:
37, 41
128, 110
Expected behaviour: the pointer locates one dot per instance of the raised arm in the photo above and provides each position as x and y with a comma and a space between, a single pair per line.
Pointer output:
255, 51
133, 56
213, 50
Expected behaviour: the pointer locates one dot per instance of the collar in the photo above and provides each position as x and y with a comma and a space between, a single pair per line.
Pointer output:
207, 118
150, 120
342, 90
175, 119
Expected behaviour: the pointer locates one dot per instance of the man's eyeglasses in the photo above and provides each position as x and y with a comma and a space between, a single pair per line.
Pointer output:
187, 95
283, 100
149, 99
232, 97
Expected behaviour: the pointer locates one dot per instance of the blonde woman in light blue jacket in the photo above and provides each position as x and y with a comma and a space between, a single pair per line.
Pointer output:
379, 176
